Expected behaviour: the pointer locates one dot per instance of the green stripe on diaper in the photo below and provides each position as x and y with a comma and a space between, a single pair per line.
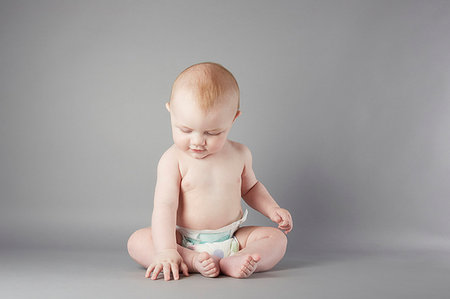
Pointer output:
208, 238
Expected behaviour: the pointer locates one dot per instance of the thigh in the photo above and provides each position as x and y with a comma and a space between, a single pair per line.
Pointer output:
248, 234
144, 236
140, 246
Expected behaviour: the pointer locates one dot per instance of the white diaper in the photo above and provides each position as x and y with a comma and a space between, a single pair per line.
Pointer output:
219, 242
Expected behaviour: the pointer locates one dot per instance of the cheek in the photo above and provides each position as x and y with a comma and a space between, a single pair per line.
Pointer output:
217, 143
179, 140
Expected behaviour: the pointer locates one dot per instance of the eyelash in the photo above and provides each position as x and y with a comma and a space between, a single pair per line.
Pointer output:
209, 134
213, 134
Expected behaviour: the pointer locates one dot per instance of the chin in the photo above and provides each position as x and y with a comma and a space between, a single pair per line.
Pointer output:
199, 155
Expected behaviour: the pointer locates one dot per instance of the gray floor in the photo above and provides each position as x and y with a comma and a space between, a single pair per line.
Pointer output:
95, 274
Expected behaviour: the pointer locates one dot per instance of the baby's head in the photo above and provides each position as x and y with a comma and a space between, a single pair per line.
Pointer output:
208, 84
203, 106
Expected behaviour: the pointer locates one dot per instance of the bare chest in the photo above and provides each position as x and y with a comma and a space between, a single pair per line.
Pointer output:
212, 176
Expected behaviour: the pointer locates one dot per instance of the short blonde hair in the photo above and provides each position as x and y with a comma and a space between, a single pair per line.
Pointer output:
209, 82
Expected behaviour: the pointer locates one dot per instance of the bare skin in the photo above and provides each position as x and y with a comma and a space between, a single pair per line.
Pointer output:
239, 266
140, 247
267, 242
201, 180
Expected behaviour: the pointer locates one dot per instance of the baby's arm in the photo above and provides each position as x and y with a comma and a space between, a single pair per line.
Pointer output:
256, 196
164, 214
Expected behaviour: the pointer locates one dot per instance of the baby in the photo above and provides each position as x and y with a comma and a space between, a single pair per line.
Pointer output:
201, 179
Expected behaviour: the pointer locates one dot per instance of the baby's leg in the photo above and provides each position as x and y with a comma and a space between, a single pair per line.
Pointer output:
140, 248
262, 249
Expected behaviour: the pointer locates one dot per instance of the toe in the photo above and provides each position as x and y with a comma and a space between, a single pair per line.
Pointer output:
209, 267
207, 261
210, 271
203, 256
256, 257
247, 272
244, 273
246, 267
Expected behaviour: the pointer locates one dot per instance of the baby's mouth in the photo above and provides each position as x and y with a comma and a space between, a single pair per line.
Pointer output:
197, 150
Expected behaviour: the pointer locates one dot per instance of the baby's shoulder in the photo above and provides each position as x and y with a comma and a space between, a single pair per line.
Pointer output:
240, 149
170, 157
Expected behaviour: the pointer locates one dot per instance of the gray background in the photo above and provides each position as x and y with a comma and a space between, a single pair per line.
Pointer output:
345, 106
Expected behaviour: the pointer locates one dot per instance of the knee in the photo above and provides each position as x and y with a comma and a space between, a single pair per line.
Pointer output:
277, 237
135, 241
280, 237
131, 244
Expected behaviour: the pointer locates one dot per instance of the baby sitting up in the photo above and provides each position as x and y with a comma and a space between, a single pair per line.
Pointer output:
201, 179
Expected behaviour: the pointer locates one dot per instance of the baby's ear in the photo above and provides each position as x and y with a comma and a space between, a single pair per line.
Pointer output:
168, 106
237, 114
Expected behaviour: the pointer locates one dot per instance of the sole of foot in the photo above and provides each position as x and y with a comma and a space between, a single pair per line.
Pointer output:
207, 265
239, 266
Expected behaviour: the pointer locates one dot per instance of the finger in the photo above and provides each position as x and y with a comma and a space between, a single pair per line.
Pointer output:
156, 271
291, 224
288, 229
279, 218
285, 221
149, 270
185, 269
276, 218
166, 271
283, 227
175, 271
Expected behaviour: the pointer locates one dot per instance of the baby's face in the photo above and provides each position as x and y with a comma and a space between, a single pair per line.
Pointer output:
198, 133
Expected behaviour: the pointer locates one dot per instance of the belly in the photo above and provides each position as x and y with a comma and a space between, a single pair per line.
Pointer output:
208, 214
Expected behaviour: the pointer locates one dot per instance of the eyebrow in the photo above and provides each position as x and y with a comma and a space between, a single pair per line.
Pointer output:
213, 130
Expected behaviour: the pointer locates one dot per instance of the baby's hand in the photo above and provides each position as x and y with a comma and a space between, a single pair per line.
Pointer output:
283, 218
168, 261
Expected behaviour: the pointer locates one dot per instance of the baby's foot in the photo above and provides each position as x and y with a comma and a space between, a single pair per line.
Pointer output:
239, 266
206, 264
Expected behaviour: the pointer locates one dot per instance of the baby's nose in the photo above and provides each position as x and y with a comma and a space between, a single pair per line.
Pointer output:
198, 139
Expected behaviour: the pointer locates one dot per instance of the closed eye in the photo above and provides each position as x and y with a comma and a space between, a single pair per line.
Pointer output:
213, 134
185, 130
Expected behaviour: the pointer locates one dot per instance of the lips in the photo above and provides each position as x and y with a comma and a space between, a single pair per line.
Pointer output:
197, 150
